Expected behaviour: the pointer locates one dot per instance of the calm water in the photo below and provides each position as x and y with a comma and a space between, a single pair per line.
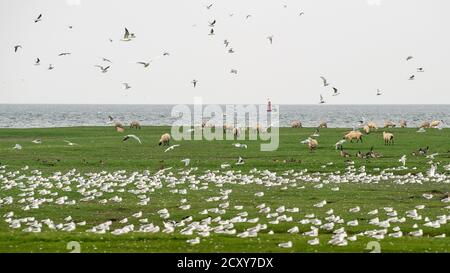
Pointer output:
29, 116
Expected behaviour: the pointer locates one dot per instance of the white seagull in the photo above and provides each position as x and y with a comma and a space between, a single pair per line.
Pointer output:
172, 147
131, 136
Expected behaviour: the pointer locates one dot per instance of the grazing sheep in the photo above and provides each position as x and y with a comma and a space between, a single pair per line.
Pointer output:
118, 124
372, 125
236, 132
389, 124
435, 123
366, 129
354, 135
426, 124
312, 144
165, 139
120, 129
296, 124
323, 124
403, 124
388, 138
135, 125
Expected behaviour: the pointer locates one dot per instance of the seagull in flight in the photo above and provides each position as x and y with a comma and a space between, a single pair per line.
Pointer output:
209, 6
106, 60
126, 85
379, 92
131, 136
51, 67
403, 160
420, 69
194, 82
70, 143
171, 147
186, 161
325, 83
128, 36
233, 71
321, 100
226, 43
301, 13
37, 141
211, 32
211, 24
270, 38
335, 91
144, 64
230, 50
64, 54
38, 19
409, 58
103, 69
412, 77
38, 61
166, 54
17, 47
248, 16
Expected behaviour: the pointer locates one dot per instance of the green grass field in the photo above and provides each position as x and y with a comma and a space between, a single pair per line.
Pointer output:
102, 149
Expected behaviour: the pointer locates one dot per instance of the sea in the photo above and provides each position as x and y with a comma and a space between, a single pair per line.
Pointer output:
337, 116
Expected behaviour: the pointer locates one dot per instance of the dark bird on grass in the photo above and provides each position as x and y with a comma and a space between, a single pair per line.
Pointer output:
38, 19
17, 47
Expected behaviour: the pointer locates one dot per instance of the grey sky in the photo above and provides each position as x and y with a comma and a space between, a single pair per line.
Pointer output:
357, 45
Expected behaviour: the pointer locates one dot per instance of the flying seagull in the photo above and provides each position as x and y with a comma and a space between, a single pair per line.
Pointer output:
132, 136
412, 77
126, 85
128, 36
211, 24
379, 92
166, 54
106, 60
38, 61
403, 160
194, 82
301, 13
226, 43
248, 16
230, 50
209, 6
321, 100
325, 83
17, 47
335, 91
409, 58
171, 147
233, 71
39, 18
64, 54
420, 69
270, 38
103, 69
144, 64
186, 161
50, 67
211, 32
70, 143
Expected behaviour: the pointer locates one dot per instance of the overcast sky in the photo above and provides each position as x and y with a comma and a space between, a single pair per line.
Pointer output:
358, 45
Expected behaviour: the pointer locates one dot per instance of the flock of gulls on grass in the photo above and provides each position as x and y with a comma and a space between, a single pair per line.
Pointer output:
219, 212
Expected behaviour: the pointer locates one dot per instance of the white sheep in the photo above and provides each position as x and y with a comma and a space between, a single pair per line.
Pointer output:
388, 138
165, 139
